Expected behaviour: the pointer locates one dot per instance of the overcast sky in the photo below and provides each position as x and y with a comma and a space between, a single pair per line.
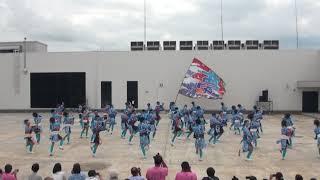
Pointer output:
78, 25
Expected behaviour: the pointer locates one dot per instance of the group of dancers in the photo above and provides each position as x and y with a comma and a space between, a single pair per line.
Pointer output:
184, 123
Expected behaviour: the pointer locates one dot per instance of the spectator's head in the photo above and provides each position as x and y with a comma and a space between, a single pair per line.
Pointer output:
283, 123
34, 114
279, 176
26, 122
211, 172
134, 171
35, 167
298, 177
287, 115
251, 177
56, 168
48, 178
235, 178
222, 104
92, 173
185, 167
113, 175
157, 159
8, 168
313, 179
316, 122
76, 169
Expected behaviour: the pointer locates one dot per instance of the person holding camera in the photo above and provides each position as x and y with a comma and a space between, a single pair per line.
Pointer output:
159, 171
136, 174
8, 175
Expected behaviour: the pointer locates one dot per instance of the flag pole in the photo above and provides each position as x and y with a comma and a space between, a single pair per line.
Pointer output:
182, 82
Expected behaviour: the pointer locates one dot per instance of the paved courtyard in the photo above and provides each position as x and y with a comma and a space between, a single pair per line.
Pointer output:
115, 154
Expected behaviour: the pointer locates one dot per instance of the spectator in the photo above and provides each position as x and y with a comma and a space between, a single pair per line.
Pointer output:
251, 177
113, 175
235, 178
136, 174
211, 174
277, 176
57, 174
8, 175
159, 171
48, 178
76, 173
298, 177
186, 173
93, 175
35, 169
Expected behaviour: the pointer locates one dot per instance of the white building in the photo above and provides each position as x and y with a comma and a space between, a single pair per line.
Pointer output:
290, 76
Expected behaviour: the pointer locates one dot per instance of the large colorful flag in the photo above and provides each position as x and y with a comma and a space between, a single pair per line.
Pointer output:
201, 81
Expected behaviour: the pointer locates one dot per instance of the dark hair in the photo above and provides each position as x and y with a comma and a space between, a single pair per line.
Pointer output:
198, 121
25, 121
213, 114
8, 168
316, 122
35, 167
298, 177
279, 176
65, 113
52, 120
250, 116
52, 110
76, 169
185, 167
92, 173
235, 178
251, 177
239, 105
34, 114
56, 168
222, 103
287, 115
211, 172
157, 159
134, 171
283, 123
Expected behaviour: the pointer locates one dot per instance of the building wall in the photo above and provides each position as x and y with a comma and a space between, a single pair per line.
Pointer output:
246, 74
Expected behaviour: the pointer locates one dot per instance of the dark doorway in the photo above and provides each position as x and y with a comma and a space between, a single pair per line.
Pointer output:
310, 101
49, 89
132, 92
106, 93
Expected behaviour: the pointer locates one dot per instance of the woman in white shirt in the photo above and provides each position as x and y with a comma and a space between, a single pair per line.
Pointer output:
57, 174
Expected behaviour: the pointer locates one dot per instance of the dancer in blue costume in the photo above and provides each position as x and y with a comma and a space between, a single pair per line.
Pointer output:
37, 126
247, 140
85, 124
284, 139
55, 127
95, 143
216, 129
144, 131
112, 113
289, 124
200, 143
133, 129
158, 109
68, 122
317, 133
28, 136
